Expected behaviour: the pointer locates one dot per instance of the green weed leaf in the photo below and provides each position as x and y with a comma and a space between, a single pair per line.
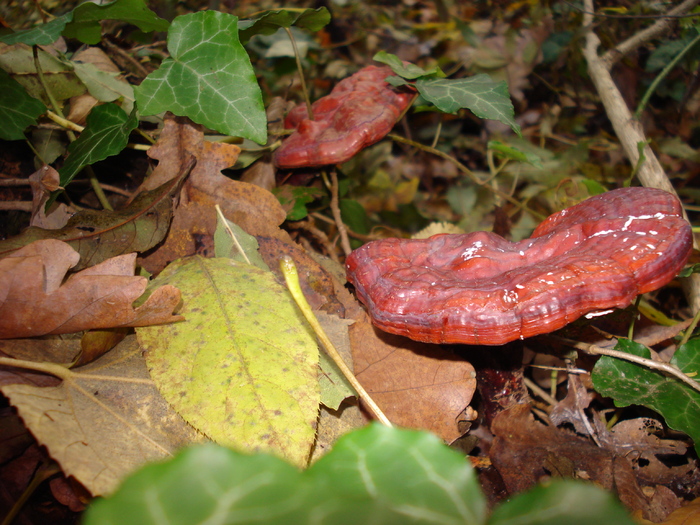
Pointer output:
106, 134
86, 27
480, 94
269, 22
17, 109
631, 384
208, 78
242, 368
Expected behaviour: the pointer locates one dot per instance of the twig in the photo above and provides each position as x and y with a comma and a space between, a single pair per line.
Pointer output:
659, 27
16, 205
659, 366
466, 171
629, 131
231, 234
292, 278
335, 210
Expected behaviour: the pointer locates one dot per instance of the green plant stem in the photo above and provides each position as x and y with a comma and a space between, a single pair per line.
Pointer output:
689, 331
664, 73
466, 171
289, 270
630, 331
71, 136
44, 472
304, 91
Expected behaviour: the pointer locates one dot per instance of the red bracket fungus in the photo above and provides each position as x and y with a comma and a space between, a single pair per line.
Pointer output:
479, 288
360, 111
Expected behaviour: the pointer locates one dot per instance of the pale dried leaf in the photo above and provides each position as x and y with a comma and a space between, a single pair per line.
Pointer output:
104, 420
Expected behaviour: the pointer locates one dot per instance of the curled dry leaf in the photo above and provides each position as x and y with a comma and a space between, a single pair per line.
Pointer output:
36, 299
479, 288
359, 111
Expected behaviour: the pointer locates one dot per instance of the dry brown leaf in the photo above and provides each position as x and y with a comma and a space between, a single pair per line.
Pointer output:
35, 300
416, 385
104, 420
43, 181
191, 232
688, 515
253, 208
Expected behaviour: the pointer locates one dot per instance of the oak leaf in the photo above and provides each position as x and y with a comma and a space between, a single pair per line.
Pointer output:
36, 298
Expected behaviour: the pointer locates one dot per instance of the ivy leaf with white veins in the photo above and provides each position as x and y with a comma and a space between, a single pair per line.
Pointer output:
208, 78
106, 134
480, 94
18, 110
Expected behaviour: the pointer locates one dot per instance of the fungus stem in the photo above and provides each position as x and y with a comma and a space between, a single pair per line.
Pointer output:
289, 270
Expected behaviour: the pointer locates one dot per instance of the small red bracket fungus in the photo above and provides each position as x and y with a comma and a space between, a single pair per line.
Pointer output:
359, 111
479, 288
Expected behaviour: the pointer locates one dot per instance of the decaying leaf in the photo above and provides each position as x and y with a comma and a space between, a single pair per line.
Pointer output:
104, 420
254, 209
416, 385
35, 299
100, 234
243, 367
359, 111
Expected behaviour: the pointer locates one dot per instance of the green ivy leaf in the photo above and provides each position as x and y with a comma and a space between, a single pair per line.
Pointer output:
480, 94
17, 109
631, 384
208, 79
409, 71
269, 22
41, 35
295, 198
563, 502
513, 153
374, 475
106, 133
86, 27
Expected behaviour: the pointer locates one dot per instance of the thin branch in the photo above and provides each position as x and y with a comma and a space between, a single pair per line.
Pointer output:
466, 171
629, 131
666, 368
335, 210
659, 27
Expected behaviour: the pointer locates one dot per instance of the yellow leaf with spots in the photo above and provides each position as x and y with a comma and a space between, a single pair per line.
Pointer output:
242, 368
